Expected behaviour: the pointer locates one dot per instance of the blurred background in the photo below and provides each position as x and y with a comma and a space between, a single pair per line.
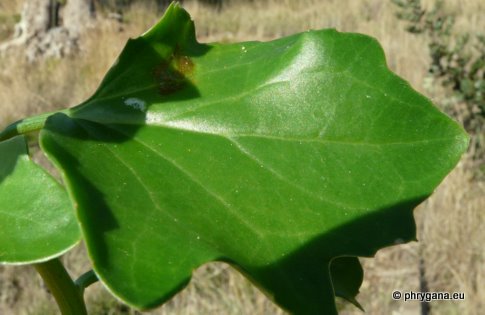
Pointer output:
53, 54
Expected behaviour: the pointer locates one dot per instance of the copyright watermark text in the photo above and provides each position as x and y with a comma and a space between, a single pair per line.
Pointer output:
427, 296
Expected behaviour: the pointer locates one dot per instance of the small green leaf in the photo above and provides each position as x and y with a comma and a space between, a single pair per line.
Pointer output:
37, 220
277, 157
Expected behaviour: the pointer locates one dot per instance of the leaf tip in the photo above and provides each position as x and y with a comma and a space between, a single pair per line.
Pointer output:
176, 23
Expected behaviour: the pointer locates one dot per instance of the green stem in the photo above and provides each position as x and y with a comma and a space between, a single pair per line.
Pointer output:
27, 125
85, 280
66, 293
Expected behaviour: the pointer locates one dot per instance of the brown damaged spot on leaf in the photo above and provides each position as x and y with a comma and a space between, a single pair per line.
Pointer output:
171, 75
185, 65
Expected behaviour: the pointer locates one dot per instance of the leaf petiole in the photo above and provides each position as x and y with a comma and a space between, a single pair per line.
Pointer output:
30, 124
67, 295
85, 280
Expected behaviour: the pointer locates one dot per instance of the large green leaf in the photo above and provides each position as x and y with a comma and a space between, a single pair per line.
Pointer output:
36, 218
277, 157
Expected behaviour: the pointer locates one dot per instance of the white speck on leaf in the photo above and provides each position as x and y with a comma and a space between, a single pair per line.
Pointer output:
136, 103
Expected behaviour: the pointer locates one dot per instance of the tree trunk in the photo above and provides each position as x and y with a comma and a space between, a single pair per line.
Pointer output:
78, 14
35, 20
49, 29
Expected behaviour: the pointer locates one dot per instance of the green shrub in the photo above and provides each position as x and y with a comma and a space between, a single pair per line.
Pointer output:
457, 61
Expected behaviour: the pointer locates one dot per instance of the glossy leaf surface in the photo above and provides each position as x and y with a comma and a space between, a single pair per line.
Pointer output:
36, 217
276, 157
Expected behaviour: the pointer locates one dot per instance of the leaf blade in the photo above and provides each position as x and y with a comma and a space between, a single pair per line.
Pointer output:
259, 154
37, 221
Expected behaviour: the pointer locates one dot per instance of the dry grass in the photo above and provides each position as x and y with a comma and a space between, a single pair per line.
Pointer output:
451, 233
451, 223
